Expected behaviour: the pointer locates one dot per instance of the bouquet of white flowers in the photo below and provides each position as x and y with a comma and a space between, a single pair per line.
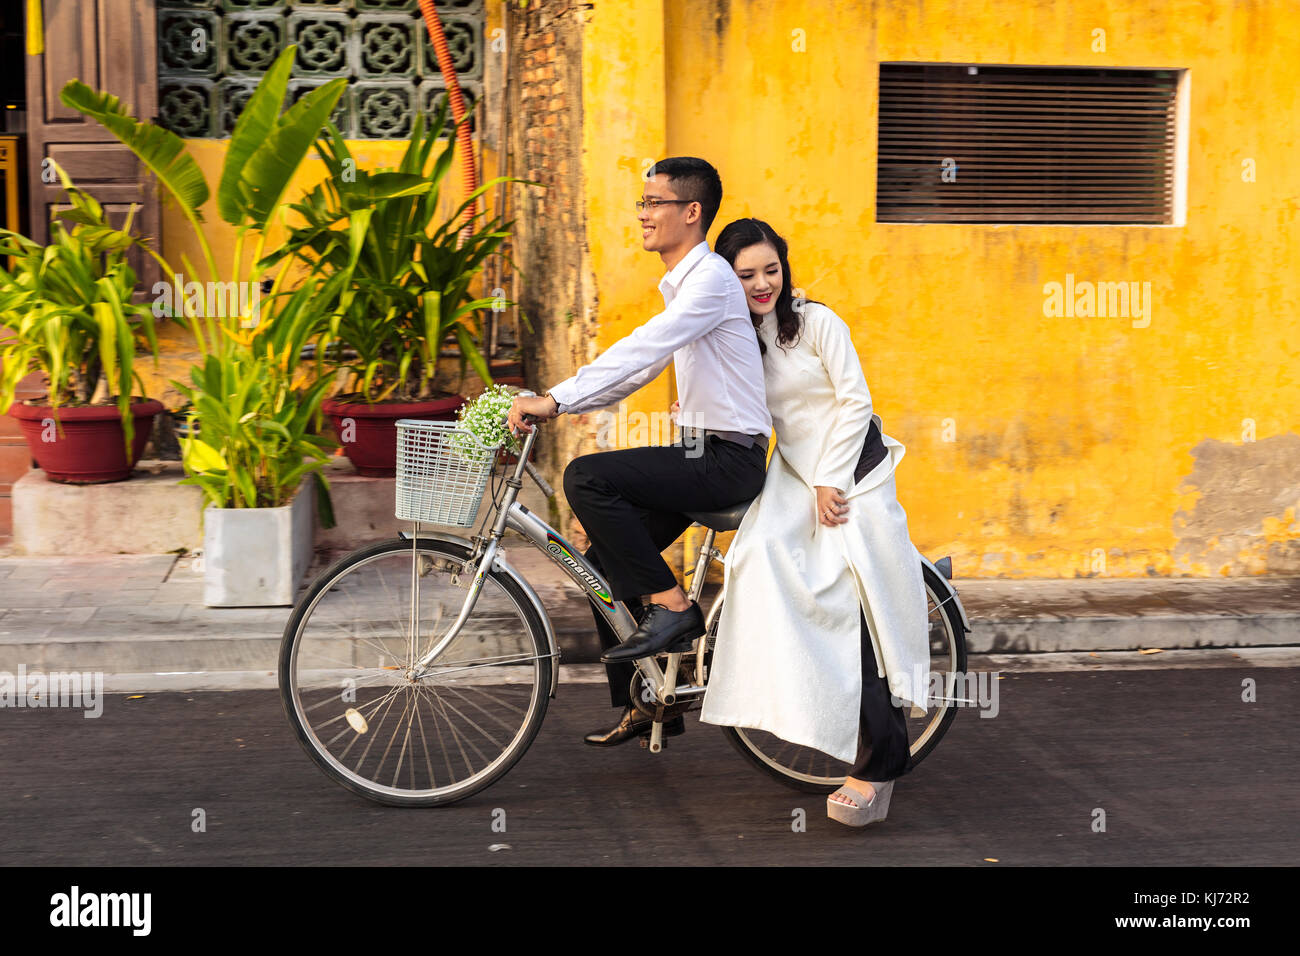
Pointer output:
485, 418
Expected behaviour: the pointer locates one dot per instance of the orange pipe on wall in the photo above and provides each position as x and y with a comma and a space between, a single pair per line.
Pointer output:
469, 174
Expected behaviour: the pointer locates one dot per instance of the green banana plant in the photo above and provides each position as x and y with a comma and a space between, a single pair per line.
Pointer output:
251, 363
407, 283
265, 151
68, 312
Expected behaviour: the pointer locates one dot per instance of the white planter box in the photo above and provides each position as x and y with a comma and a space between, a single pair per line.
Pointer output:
255, 557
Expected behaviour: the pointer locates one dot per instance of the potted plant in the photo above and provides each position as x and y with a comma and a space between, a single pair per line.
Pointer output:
68, 313
254, 461
406, 291
249, 442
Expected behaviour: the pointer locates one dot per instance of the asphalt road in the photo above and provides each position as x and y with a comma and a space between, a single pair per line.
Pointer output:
1187, 774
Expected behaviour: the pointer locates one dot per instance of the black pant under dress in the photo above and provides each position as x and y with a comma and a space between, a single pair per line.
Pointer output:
882, 732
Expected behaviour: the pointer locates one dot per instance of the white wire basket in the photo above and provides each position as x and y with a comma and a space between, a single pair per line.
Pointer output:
442, 472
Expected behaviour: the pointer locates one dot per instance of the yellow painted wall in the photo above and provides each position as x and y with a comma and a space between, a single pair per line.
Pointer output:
623, 132
1071, 439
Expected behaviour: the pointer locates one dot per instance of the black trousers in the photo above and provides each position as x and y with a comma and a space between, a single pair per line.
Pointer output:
631, 505
882, 730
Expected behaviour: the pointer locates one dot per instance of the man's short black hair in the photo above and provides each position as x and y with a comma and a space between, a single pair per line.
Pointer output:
693, 179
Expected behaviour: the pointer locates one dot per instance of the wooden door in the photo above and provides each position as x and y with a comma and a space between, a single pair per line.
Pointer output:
109, 45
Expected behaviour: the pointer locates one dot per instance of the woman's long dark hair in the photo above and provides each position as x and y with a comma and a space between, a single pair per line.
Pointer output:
743, 233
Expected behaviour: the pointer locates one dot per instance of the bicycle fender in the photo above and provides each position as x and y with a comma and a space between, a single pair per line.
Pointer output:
952, 591
465, 543
500, 563
505, 567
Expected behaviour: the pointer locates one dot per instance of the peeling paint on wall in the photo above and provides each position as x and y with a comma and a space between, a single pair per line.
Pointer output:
1241, 519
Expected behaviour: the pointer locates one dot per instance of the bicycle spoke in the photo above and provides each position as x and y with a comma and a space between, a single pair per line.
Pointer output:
333, 697
455, 734
442, 745
371, 737
384, 756
472, 723
500, 702
355, 620
486, 713
343, 717
424, 742
511, 660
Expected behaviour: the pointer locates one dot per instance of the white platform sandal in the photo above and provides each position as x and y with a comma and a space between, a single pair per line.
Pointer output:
864, 811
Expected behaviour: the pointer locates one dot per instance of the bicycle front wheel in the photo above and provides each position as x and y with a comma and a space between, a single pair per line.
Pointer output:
812, 771
350, 693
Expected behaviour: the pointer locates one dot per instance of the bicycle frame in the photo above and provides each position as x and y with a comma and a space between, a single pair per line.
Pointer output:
486, 554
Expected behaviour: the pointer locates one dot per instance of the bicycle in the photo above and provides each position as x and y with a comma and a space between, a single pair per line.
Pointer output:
477, 688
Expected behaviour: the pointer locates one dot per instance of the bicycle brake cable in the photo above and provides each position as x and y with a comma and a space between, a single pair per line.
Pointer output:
496, 496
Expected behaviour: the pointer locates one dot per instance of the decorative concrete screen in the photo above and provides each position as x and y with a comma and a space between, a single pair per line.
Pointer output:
211, 54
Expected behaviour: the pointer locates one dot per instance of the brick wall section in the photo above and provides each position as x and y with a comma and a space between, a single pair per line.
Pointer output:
550, 245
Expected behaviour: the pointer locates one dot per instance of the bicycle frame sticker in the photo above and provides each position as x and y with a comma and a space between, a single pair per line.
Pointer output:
559, 547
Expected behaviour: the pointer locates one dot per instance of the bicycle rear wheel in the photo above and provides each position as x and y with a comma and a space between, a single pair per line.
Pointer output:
812, 771
368, 723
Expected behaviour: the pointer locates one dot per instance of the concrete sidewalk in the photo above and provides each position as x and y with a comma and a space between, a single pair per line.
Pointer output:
144, 615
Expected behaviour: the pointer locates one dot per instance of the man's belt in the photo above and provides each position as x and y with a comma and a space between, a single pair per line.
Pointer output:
740, 438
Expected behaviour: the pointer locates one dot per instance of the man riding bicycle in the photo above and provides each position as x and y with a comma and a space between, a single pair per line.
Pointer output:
631, 502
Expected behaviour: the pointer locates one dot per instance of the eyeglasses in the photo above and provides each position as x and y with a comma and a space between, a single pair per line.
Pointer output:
653, 203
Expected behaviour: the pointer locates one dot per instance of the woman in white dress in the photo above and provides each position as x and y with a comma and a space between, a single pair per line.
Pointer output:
824, 613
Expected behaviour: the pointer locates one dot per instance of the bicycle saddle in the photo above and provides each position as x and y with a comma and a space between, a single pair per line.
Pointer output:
724, 519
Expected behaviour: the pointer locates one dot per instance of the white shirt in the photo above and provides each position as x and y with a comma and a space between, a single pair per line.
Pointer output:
706, 331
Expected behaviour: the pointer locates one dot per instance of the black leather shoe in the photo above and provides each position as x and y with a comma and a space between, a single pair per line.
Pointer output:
635, 724
660, 629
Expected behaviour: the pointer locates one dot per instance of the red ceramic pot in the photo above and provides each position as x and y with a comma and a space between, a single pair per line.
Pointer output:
88, 448
368, 433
